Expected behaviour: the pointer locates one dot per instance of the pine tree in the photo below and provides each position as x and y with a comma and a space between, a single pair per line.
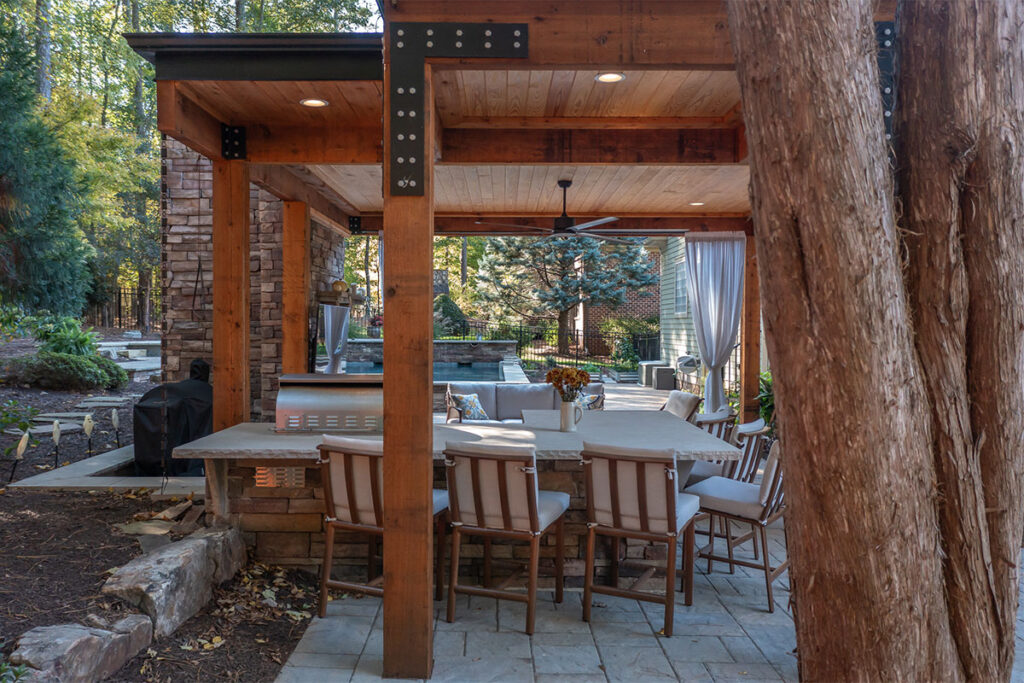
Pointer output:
42, 251
527, 276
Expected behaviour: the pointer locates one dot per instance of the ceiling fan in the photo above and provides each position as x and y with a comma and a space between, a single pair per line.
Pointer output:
565, 225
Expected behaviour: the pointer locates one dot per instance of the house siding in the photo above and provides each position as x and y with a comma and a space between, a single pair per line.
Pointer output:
677, 335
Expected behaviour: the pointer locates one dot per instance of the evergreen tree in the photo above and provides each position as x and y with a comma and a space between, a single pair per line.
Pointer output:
527, 276
42, 251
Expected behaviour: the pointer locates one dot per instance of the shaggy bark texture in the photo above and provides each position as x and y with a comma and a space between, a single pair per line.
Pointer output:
961, 181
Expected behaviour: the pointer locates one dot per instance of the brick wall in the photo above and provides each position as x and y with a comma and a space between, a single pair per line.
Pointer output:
640, 303
284, 527
187, 258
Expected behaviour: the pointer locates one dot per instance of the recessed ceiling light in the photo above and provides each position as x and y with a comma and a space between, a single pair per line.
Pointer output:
313, 102
696, 203
610, 77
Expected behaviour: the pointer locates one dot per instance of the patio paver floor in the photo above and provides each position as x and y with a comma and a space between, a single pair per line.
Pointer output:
727, 635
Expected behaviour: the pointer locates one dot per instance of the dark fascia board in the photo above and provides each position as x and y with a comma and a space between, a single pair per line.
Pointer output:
262, 56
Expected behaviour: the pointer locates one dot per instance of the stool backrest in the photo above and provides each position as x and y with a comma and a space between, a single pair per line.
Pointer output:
353, 479
718, 424
682, 404
771, 494
492, 487
745, 469
630, 488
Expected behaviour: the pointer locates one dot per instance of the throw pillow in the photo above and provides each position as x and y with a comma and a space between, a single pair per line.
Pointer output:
469, 406
589, 401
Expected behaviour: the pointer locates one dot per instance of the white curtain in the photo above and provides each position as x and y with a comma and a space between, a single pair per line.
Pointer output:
715, 284
335, 335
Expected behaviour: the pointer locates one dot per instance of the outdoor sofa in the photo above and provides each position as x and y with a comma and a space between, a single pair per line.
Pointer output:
504, 402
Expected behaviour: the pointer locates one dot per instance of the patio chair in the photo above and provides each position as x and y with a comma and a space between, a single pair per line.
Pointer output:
682, 404
633, 493
353, 479
755, 504
494, 494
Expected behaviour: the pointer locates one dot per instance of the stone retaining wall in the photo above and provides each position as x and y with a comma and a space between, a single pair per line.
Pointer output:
445, 351
284, 527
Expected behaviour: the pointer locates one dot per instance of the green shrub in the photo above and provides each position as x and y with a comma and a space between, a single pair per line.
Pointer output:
64, 371
448, 309
766, 397
13, 322
624, 356
626, 327
75, 341
13, 415
116, 377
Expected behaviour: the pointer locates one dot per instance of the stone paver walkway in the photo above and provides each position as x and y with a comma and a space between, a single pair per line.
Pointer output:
727, 635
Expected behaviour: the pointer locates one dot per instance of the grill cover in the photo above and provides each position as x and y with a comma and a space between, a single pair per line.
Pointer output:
185, 409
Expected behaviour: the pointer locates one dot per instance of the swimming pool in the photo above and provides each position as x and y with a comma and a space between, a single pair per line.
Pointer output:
443, 372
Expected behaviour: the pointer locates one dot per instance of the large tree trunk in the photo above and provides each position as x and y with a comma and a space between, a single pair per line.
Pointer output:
961, 173
44, 82
564, 320
862, 525
464, 262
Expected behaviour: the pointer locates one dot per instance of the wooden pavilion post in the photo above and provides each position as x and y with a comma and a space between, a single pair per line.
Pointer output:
230, 293
407, 295
750, 344
295, 284
230, 315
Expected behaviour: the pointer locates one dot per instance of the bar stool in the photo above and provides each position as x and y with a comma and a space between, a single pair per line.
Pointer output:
353, 477
494, 494
634, 493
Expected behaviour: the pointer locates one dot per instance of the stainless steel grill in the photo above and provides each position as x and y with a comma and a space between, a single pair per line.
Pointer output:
330, 403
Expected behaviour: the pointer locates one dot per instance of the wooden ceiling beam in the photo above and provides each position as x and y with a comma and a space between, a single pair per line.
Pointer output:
181, 118
469, 146
648, 226
334, 144
284, 183
590, 122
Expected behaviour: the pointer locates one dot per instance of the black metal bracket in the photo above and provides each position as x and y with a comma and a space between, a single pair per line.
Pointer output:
355, 224
232, 141
411, 44
885, 34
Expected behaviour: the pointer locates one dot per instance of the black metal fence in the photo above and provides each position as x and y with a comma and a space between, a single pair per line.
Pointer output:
127, 310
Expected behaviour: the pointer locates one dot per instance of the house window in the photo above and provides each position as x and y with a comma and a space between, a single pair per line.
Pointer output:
681, 288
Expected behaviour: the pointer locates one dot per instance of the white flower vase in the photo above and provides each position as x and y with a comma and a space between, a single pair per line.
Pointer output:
570, 417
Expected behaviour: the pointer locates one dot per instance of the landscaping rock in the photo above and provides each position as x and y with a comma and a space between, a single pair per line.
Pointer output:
72, 653
172, 583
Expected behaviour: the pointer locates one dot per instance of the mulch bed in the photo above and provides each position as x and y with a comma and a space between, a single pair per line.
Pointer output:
246, 633
57, 549
74, 446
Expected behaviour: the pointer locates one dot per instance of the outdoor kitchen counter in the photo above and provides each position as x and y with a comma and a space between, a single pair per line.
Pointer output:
258, 444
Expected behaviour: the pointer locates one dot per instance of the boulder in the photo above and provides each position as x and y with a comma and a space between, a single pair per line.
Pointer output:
172, 583
72, 653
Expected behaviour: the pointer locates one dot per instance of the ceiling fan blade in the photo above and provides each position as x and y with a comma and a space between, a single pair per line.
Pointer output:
513, 225
593, 224
606, 238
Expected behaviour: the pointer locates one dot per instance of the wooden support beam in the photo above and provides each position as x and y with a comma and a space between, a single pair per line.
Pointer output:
589, 122
230, 293
519, 146
750, 344
291, 184
327, 144
636, 226
295, 285
408, 421
182, 119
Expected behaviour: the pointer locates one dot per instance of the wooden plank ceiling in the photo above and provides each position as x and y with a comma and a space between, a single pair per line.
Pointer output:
701, 172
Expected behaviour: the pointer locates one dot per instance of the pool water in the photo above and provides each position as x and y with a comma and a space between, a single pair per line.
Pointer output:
443, 372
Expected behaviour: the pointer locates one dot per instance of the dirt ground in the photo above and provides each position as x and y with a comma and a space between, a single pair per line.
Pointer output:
245, 634
57, 549
74, 446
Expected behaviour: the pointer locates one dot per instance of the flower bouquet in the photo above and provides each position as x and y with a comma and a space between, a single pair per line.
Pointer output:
569, 382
